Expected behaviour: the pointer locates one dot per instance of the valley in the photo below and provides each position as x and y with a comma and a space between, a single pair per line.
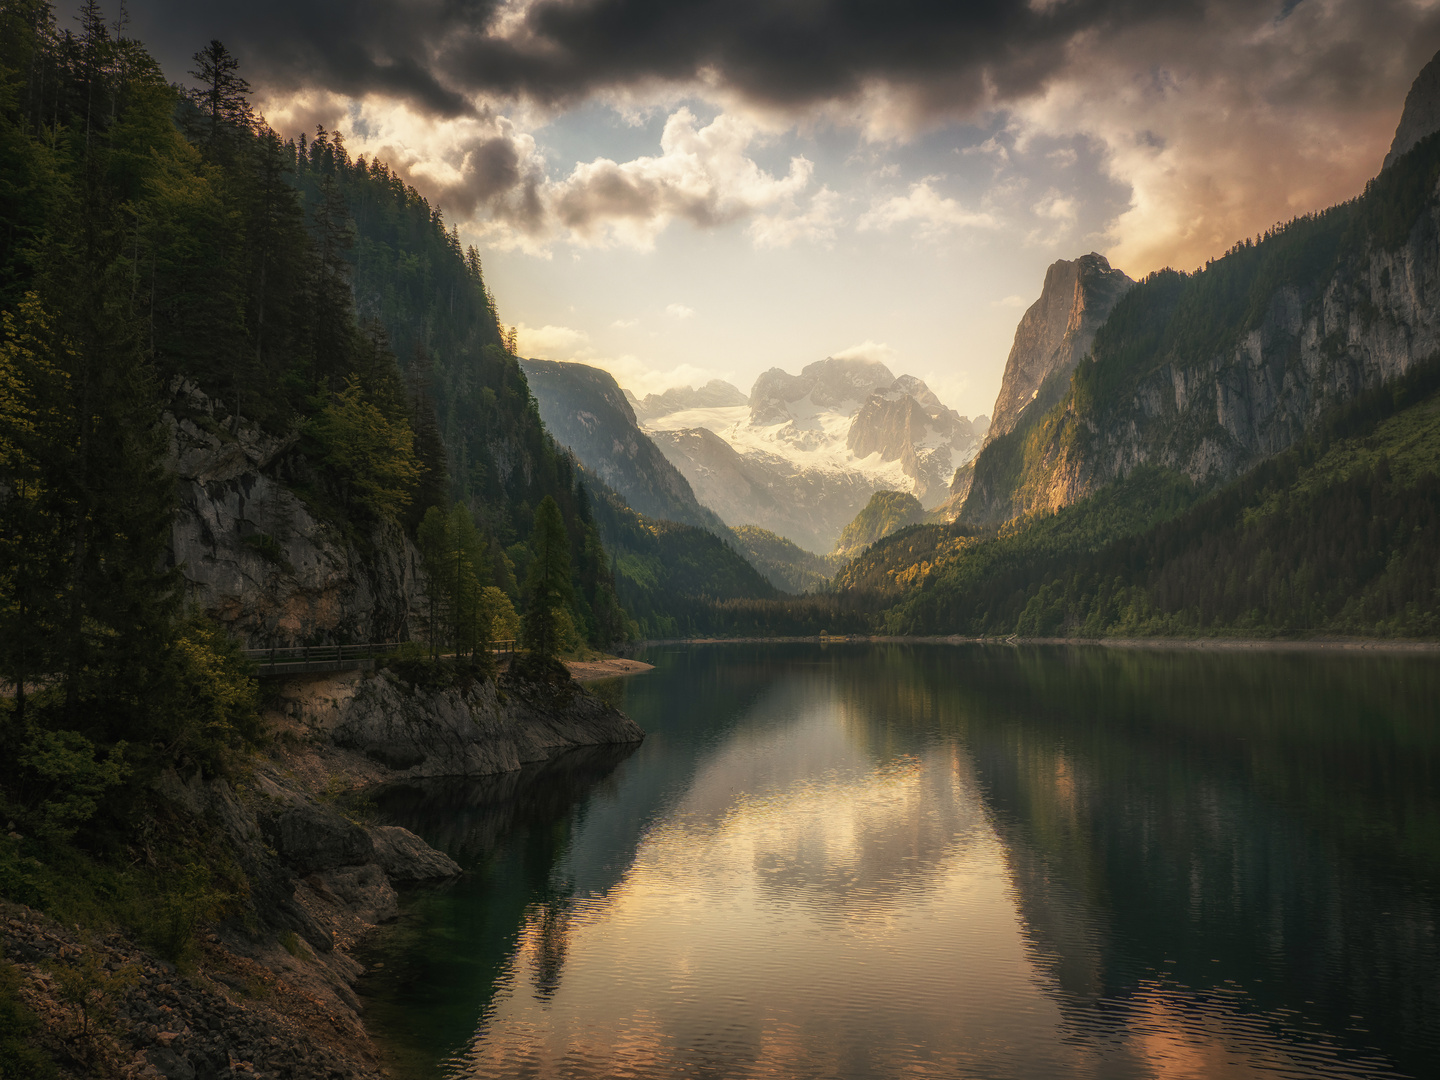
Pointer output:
706, 694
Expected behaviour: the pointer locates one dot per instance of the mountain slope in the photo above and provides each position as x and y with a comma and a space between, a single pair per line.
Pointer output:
784, 564
586, 410
1208, 373
886, 512
808, 507
670, 576
1338, 534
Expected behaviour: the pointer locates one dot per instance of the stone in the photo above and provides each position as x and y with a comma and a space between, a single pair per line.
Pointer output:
406, 857
309, 838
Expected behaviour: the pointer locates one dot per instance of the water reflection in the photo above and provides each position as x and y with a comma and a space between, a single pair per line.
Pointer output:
950, 861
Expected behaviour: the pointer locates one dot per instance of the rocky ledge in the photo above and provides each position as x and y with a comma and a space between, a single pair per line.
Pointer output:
271, 991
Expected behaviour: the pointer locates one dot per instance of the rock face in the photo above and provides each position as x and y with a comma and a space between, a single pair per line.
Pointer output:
716, 394
1321, 338
1421, 115
1054, 335
258, 560
907, 423
586, 410
805, 454
405, 857
491, 727
840, 385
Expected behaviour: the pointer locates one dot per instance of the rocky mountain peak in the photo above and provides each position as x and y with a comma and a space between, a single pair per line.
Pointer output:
1055, 333
828, 383
1421, 115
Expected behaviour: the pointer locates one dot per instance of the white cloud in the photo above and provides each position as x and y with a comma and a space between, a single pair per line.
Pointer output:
1221, 129
679, 311
624, 324
933, 214
703, 175
552, 342
640, 378
868, 350
1008, 302
1056, 207
817, 224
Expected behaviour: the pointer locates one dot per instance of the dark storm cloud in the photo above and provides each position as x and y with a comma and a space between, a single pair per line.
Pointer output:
437, 53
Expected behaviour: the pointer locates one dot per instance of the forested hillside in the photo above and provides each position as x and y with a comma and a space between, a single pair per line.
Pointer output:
1338, 535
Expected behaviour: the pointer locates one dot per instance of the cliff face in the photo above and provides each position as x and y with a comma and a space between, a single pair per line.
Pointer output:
1053, 336
258, 560
1421, 115
586, 410
1333, 306
906, 422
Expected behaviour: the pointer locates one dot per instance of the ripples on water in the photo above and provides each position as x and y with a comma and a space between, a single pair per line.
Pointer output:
945, 861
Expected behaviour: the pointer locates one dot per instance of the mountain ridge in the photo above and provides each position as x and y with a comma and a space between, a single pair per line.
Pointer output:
585, 409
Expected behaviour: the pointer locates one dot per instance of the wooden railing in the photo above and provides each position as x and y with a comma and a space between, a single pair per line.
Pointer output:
303, 659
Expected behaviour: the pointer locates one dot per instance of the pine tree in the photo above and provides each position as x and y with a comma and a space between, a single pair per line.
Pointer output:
548, 588
224, 97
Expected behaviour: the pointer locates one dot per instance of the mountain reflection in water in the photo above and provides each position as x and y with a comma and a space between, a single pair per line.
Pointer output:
861, 861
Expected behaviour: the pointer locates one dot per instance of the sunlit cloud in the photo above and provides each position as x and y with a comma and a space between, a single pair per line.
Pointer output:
931, 213
679, 311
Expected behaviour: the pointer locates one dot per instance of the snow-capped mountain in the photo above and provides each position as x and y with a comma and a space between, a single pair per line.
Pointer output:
803, 456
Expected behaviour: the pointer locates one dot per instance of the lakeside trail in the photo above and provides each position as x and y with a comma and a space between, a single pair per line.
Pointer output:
1198, 644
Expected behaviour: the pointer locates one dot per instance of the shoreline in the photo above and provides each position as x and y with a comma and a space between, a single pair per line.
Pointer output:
611, 667
1381, 645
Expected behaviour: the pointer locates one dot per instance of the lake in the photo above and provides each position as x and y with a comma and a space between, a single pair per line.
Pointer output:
863, 860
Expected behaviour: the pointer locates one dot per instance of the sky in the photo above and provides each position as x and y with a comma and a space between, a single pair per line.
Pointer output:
680, 190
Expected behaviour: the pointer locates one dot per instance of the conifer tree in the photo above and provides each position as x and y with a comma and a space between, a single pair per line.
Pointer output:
547, 585
224, 97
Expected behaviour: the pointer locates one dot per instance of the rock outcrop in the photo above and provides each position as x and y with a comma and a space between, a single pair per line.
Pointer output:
1330, 329
906, 422
1054, 335
1421, 115
488, 727
258, 559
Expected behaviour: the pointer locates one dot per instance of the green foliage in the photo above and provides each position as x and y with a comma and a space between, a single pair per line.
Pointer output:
783, 563
883, 514
61, 778
86, 985
372, 456
19, 1059
548, 589
1340, 534
466, 611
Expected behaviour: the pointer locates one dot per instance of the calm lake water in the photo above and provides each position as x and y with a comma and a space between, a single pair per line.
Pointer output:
949, 861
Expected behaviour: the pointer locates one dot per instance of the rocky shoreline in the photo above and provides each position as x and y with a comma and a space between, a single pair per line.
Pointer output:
270, 992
